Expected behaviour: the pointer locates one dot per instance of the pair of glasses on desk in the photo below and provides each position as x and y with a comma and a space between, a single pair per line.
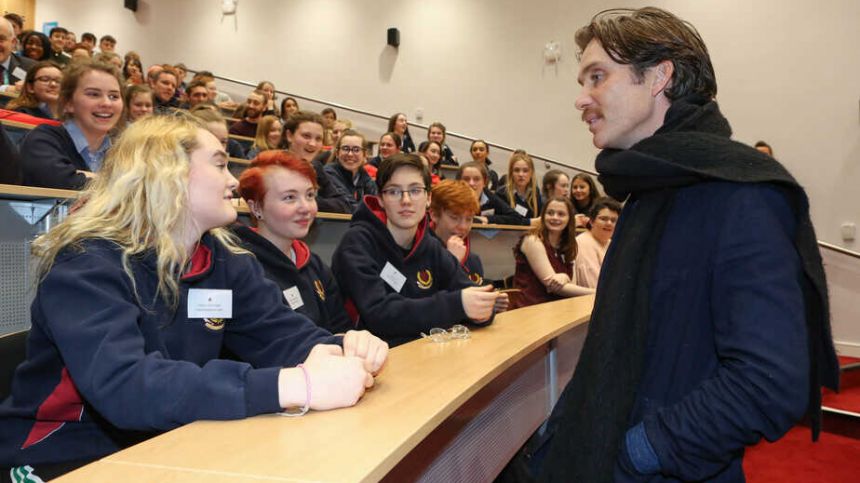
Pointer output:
458, 331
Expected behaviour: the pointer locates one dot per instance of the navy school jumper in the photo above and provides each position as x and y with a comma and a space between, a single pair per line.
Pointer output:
430, 296
106, 369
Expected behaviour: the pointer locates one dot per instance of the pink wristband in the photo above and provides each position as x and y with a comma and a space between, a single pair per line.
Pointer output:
304, 409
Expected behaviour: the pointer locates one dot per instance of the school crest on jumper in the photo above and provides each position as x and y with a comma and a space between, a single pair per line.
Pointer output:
476, 278
424, 279
214, 324
318, 286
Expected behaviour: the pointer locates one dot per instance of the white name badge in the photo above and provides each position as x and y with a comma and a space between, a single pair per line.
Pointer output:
484, 198
19, 73
522, 210
490, 212
293, 297
392, 277
210, 303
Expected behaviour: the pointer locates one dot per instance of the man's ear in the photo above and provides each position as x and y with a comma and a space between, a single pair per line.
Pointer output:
662, 77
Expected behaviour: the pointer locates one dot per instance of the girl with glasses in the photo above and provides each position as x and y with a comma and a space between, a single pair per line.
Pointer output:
592, 244
41, 93
347, 169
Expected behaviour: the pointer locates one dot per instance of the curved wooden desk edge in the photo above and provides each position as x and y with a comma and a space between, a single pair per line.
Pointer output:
424, 384
12, 191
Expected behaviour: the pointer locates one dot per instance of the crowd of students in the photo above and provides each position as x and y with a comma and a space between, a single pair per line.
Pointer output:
173, 308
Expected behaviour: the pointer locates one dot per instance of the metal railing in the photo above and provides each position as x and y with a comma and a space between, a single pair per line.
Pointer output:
383, 118
838, 249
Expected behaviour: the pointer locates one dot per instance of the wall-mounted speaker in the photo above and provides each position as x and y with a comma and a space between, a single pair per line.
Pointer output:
131, 5
394, 37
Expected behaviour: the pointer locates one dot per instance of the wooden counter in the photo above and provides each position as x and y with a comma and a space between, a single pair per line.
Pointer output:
439, 411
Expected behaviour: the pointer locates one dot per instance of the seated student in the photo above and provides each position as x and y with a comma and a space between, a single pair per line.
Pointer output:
330, 117
480, 152
400, 281
66, 156
452, 207
36, 46
250, 115
289, 106
431, 151
139, 101
592, 244
583, 194
196, 94
109, 58
280, 190
389, 145
163, 84
132, 70
57, 35
493, 208
107, 43
270, 107
555, 184
520, 189
545, 257
89, 40
347, 169
398, 125
41, 91
303, 135
217, 125
140, 291
437, 132
10, 160
269, 136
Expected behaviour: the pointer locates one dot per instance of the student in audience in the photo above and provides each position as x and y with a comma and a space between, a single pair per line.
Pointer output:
592, 244
66, 156
139, 102
347, 169
400, 281
452, 208
81, 53
330, 117
493, 208
268, 89
109, 58
133, 72
253, 110
141, 290
163, 84
217, 125
196, 94
303, 133
17, 23
555, 184
89, 40
152, 73
41, 92
107, 43
280, 190
438, 133
10, 160
480, 152
13, 68
181, 74
583, 194
216, 97
520, 189
269, 136
389, 145
71, 41
289, 106
764, 148
398, 125
58, 41
36, 46
431, 151
545, 258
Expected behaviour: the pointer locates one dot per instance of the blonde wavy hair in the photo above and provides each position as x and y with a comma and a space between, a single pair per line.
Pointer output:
139, 200
533, 194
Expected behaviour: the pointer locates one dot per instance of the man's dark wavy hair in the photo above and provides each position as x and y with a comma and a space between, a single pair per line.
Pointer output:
647, 36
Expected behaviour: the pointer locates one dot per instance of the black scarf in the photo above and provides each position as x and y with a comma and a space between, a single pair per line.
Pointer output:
692, 146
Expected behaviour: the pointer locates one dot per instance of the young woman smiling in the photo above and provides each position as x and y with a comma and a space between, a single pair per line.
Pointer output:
141, 290
91, 106
347, 169
41, 93
545, 258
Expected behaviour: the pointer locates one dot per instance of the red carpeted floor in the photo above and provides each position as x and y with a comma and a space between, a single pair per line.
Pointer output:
835, 458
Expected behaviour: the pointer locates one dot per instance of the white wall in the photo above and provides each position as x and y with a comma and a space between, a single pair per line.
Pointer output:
786, 74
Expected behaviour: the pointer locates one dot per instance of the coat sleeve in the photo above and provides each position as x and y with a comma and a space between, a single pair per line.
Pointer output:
504, 214
761, 385
99, 340
330, 197
47, 164
383, 311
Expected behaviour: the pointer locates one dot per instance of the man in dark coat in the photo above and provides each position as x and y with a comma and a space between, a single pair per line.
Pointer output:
710, 328
13, 68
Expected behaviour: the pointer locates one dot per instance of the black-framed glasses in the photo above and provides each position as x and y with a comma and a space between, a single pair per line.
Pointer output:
351, 149
397, 193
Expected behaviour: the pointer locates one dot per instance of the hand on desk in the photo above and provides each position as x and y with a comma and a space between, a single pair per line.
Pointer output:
335, 380
555, 282
366, 346
478, 302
